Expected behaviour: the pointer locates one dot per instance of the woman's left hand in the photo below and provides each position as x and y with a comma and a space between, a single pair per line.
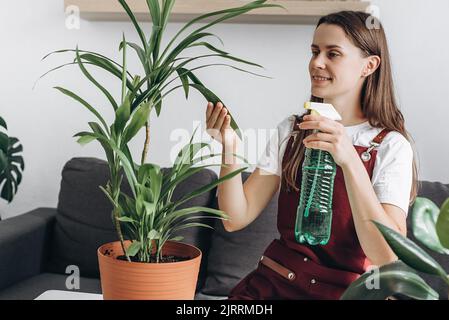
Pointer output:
332, 138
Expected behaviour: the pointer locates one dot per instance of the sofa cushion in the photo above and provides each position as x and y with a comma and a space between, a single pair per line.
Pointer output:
437, 192
234, 254
83, 222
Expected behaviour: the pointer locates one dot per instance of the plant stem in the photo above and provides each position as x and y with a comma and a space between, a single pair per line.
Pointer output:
119, 232
147, 142
115, 192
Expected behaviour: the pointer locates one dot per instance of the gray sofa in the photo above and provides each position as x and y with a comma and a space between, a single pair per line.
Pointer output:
37, 247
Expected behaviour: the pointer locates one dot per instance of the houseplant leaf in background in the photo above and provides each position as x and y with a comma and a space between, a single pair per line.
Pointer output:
394, 278
424, 218
442, 225
410, 253
11, 163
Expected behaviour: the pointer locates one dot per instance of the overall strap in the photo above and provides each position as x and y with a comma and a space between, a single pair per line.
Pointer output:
380, 137
366, 156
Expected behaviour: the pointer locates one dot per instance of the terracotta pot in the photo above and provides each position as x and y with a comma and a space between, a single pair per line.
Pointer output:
123, 280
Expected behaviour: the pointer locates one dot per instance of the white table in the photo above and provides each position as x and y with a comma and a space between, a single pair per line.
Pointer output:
68, 295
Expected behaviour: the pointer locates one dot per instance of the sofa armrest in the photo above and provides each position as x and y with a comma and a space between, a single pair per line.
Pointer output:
24, 244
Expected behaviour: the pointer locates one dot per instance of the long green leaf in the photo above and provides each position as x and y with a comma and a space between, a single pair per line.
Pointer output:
209, 186
85, 104
92, 58
127, 219
424, 218
212, 97
185, 43
105, 143
168, 5
410, 253
182, 72
144, 60
82, 51
227, 12
122, 115
147, 95
209, 46
155, 11
188, 152
158, 104
129, 170
95, 82
85, 137
152, 173
442, 225
133, 249
178, 214
230, 13
184, 79
177, 178
104, 64
135, 23
391, 279
156, 35
138, 120
185, 72
124, 74
190, 225
3, 123
166, 10
224, 56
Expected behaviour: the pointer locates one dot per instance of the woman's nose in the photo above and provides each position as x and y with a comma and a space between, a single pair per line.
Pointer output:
318, 62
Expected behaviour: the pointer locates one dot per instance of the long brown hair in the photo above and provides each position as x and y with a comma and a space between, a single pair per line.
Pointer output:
378, 100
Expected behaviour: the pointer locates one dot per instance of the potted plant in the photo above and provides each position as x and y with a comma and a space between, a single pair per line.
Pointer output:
145, 262
11, 163
431, 228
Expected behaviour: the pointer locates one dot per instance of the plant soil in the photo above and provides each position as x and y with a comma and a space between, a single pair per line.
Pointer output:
164, 259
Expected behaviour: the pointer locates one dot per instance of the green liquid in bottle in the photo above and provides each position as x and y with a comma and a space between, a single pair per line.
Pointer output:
314, 213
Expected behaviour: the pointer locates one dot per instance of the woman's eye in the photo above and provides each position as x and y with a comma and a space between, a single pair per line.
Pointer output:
333, 54
314, 53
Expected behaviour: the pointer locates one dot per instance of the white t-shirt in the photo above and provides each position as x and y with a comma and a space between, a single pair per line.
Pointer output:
392, 174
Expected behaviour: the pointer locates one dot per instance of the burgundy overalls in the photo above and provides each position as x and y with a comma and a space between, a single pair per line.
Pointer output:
290, 270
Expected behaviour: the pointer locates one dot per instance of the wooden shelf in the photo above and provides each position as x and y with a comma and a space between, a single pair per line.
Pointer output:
297, 11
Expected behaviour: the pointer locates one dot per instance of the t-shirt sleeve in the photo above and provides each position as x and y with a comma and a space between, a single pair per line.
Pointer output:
392, 175
271, 158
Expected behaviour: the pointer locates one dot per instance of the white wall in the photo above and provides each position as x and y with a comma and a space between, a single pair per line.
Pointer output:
45, 120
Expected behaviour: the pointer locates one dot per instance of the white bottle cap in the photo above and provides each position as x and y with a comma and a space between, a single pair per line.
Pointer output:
323, 109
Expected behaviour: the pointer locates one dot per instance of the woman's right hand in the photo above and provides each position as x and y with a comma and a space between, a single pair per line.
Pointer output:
218, 123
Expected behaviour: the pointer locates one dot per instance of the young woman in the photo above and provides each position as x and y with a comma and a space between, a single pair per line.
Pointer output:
376, 172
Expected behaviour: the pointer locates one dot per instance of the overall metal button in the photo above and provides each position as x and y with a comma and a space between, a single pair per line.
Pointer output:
313, 281
306, 259
366, 156
291, 275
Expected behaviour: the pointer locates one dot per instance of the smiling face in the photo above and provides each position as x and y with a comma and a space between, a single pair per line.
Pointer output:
337, 67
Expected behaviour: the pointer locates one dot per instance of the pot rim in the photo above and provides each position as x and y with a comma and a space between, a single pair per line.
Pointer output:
123, 262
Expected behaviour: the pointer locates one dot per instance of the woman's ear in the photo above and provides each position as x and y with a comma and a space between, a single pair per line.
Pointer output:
372, 63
